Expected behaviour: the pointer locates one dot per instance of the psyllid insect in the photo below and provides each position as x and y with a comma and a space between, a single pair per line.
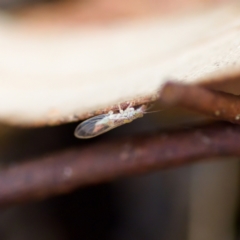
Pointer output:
102, 123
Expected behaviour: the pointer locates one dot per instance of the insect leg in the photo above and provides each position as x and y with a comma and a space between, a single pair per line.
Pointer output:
120, 109
129, 106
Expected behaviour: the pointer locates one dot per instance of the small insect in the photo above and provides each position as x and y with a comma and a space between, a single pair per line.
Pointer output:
102, 123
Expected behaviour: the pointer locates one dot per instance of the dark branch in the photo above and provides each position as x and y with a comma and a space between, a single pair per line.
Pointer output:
95, 163
222, 106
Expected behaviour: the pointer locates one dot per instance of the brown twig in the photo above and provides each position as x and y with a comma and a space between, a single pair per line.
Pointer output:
64, 171
222, 106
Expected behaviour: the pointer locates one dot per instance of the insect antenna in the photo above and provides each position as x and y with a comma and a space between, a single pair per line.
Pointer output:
150, 106
154, 111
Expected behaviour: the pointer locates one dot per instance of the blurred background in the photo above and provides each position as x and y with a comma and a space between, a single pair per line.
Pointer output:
199, 201
193, 202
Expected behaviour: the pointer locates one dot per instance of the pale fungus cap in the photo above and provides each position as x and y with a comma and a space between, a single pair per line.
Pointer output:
56, 75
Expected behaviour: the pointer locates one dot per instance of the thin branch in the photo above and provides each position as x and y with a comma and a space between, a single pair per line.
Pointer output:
67, 170
222, 106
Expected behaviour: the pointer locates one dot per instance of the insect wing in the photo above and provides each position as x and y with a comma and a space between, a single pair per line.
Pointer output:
102, 123
92, 127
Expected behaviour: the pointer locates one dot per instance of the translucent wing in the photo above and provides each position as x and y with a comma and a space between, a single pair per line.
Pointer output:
93, 127
102, 123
